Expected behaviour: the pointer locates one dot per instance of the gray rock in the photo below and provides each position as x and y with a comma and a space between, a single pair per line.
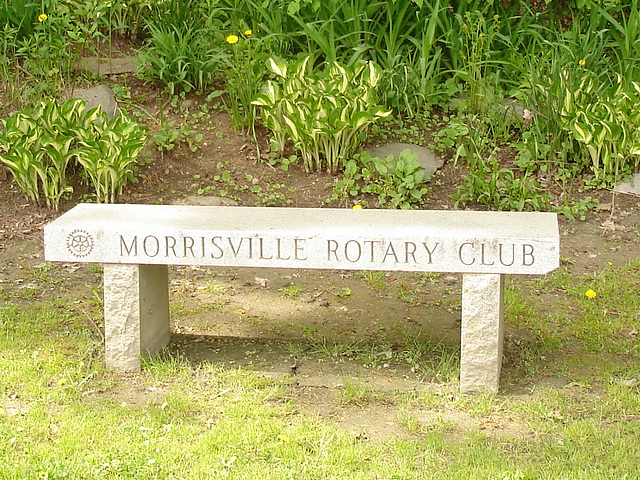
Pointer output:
629, 186
107, 66
429, 160
205, 201
513, 110
98, 95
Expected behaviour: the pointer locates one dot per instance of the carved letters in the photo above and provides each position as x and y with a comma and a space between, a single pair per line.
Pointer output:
333, 253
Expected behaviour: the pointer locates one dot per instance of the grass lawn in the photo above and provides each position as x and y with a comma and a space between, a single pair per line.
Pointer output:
65, 416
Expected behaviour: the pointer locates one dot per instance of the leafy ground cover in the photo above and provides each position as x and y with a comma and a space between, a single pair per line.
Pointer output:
316, 374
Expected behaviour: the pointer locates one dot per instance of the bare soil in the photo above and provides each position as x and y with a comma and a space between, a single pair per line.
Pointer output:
312, 327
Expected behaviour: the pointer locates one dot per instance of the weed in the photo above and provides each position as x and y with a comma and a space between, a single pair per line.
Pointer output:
168, 136
373, 278
216, 288
345, 293
164, 364
411, 422
392, 182
294, 349
256, 320
437, 361
285, 163
400, 129
355, 393
319, 344
429, 278
95, 268
291, 291
179, 309
499, 188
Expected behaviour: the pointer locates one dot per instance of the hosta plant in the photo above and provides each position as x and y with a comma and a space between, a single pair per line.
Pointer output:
324, 113
36, 148
109, 159
606, 123
585, 119
37, 145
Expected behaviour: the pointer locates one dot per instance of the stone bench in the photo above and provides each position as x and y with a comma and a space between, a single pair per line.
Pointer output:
136, 243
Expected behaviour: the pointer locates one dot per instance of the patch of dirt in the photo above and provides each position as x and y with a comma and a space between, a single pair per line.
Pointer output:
296, 324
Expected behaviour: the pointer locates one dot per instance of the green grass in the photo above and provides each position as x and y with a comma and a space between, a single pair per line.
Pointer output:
64, 416
374, 278
216, 288
291, 291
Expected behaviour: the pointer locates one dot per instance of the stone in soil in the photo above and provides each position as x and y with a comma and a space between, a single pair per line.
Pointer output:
98, 95
107, 66
427, 159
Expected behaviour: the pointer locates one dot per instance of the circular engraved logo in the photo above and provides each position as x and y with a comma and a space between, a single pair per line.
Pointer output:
80, 243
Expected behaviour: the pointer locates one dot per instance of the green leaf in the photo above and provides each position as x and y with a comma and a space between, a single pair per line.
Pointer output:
277, 66
581, 132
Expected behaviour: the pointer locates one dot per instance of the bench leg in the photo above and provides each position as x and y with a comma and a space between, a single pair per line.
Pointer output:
136, 313
482, 332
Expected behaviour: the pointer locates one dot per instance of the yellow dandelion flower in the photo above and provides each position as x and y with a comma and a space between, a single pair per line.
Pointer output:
42, 17
231, 39
284, 438
582, 62
62, 381
357, 207
248, 33
591, 293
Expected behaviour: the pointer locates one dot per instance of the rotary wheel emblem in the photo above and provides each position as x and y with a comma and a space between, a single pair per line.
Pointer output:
80, 243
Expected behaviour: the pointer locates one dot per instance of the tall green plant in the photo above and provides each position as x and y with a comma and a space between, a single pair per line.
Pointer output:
402, 36
270, 19
406, 43
185, 45
47, 56
20, 14
623, 28
8, 35
335, 30
475, 61
128, 17
181, 57
325, 113
246, 69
